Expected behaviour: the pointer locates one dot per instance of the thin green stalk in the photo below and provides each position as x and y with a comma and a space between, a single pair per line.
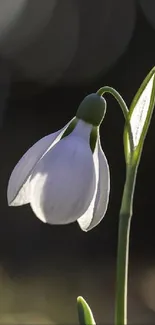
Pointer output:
121, 102
124, 219
123, 246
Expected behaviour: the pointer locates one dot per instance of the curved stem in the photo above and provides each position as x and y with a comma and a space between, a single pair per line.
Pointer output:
124, 108
123, 246
124, 219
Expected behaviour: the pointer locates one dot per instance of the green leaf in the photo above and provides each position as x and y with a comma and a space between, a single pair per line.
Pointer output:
84, 312
140, 113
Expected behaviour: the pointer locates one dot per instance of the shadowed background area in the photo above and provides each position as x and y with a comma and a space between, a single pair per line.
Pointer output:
47, 66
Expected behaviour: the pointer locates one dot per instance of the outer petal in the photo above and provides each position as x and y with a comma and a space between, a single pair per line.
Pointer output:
98, 206
18, 186
63, 183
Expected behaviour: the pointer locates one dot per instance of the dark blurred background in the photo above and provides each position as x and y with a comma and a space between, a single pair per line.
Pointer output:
52, 54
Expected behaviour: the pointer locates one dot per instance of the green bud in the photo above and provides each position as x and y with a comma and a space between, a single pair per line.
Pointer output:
84, 312
92, 109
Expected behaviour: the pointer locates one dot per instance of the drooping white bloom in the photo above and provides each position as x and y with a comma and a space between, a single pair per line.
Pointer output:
62, 179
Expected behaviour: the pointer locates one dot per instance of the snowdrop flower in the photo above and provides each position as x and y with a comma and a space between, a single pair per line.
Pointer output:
65, 175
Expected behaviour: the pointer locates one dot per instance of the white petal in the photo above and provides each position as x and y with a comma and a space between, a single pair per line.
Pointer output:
63, 182
82, 130
98, 206
18, 186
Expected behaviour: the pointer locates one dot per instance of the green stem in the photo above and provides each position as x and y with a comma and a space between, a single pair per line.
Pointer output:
124, 108
125, 218
123, 246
